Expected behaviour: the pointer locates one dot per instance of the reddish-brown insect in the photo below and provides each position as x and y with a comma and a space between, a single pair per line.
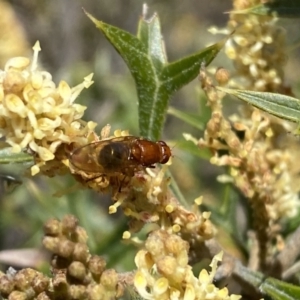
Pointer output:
120, 155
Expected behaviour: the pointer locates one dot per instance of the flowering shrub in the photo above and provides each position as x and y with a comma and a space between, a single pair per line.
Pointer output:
43, 121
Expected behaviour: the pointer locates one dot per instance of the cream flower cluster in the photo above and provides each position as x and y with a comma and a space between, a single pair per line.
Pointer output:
256, 167
36, 115
164, 273
151, 201
257, 49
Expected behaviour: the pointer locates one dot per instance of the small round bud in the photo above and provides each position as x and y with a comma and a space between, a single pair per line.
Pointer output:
17, 295
96, 291
96, 265
52, 227
43, 296
109, 279
77, 270
13, 82
65, 248
222, 76
81, 235
24, 278
126, 235
155, 244
69, 224
6, 286
169, 208
176, 245
77, 291
81, 252
176, 228
40, 283
51, 243
167, 265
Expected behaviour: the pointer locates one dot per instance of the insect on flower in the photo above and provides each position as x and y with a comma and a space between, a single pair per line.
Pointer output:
123, 155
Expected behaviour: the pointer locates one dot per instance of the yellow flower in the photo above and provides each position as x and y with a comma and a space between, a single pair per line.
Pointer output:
164, 274
38, 117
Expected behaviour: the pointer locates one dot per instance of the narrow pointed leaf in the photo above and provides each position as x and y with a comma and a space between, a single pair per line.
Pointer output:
178, 73
276, 289
7, 156
135, 55
280, 290
282, 8
132, 50
171, 78
282, 106
155, 80
149, 33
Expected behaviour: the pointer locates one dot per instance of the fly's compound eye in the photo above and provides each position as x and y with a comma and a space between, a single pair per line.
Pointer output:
165, 152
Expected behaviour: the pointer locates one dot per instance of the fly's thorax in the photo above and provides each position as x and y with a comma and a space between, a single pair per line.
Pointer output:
146, 152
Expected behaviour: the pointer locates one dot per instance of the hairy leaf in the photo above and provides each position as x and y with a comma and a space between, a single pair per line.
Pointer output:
282, 106
280, 290
276, 289
7, 156
155, 79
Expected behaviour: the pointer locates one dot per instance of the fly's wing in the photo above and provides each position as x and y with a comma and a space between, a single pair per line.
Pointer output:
85, 158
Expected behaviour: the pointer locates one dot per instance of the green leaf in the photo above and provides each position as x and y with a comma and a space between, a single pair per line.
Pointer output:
7, 156
280, 8
281, 106
179, 73
149, 33
276, 289
191, 119
280, 290
251, 277
155, 79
